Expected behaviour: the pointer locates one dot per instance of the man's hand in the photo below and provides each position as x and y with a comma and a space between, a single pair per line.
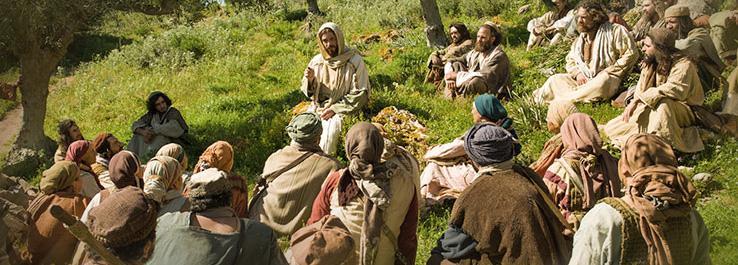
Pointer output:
451, 76
581, 79
630, 109
702, 21
327, 114
451, 85
309, 74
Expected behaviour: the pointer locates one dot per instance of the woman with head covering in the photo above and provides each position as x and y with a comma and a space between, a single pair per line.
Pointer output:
373, 200
220, 155
504, 216
162, 124
654, 222
48, 241
585, 173
82, 153
125, 171
558, 111
105, 146
292, 177
449, 171
125, 224
176, 151
163, 184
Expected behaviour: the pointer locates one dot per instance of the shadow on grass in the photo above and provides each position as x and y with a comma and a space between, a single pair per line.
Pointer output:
86, 47
258, 131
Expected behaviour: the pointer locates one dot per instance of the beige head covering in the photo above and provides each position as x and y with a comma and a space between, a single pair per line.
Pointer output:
59, 176
162, 175
208, 182
325, 242
558, 111
339, 38
174, 151
676, 11
218, 155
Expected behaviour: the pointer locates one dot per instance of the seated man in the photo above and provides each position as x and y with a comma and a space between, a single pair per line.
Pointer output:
126, 220
374, 199
505, 216
668, 85
212, 233
550, 28
292, 178
486, 69
696, 42
649, 19
700, 10
599, 59
106, 146
338, 83
730, 102
634, 229
723, 31
162, 124
68, 133
461, 43
220, 155
449, 171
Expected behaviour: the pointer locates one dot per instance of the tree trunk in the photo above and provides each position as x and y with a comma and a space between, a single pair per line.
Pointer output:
433, 26
313, 7
36, 70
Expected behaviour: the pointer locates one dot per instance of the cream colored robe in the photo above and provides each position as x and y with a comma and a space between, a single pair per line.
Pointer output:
698, 43
344, 97
286, 204
730, 105
664, 110
613, 55
404, 171
600, 236
447, 173
549, 20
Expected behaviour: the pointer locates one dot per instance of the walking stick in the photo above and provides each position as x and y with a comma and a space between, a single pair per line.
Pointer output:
80, 231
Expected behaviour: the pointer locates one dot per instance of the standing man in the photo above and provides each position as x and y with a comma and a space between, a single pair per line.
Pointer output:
599, 60
338, 83
486, 69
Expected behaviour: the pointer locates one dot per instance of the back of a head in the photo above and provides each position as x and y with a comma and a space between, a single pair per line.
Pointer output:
487, 144
123, 168
325, 242
125, 223
209, 189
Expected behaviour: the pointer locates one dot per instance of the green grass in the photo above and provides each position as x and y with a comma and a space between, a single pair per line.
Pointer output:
235, 76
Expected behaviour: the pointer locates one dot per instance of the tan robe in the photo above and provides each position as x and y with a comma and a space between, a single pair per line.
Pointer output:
287, 202
730, 104
481, 73
549, 20
613, 54
724, 31
699, 44
447, 173
403, 169
48, 241
664, 109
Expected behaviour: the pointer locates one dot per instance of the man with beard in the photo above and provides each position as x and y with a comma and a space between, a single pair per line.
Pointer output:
551, 27
486, 69
649, 19
599, 59
68, 133
461, 43
338, 83
696, 42
669, 84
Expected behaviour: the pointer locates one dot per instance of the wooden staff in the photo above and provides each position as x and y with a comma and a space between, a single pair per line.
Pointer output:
80, 231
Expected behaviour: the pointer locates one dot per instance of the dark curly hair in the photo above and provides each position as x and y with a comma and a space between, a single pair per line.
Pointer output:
596, 9
153, 97
463, 31
200, 204
63, 129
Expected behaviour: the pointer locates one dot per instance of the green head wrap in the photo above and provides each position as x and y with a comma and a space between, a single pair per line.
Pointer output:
489, 106
305, 128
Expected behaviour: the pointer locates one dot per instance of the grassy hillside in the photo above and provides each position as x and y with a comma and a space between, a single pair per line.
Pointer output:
235, 76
